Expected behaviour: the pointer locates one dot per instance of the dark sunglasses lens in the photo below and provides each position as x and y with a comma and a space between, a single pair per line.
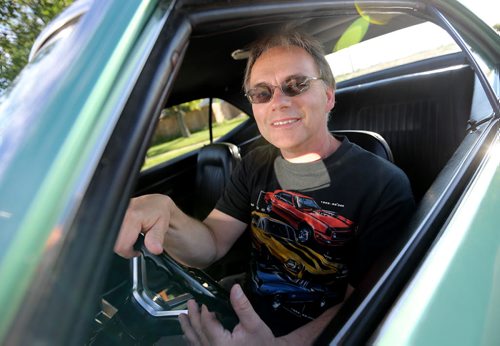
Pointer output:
260, 94
295, 86
291, 87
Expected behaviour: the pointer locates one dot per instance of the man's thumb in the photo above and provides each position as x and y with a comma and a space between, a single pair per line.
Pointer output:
153, 240
242, 307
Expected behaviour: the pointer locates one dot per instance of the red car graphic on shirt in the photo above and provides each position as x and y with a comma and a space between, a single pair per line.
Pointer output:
305, 215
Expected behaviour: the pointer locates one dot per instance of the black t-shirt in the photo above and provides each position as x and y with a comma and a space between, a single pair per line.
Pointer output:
315, 226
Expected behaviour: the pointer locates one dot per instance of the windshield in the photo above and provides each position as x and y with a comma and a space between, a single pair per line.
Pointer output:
393, 49
487, 10
304, 203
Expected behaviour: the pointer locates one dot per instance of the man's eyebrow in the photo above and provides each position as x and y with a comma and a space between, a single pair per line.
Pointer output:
292, 76
297, 75
261, 84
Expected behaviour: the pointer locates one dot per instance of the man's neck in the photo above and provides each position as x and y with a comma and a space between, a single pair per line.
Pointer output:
323, 150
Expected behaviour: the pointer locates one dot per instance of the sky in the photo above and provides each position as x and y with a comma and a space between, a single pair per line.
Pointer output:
487, 10
427, 37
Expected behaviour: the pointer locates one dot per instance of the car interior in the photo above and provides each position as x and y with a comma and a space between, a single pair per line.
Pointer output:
417, 114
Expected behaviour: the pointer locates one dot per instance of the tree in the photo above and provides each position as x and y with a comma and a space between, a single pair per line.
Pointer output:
496, 27
20, 23
179, 111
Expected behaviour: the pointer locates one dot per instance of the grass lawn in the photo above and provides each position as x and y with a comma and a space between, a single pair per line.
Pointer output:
178, 146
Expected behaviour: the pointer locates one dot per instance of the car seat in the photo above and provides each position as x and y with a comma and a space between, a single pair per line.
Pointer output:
215, 163
368, 140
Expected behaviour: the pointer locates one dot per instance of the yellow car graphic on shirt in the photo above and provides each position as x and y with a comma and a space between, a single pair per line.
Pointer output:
280, 241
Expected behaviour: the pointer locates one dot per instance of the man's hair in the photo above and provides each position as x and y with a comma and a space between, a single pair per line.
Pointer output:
290, 39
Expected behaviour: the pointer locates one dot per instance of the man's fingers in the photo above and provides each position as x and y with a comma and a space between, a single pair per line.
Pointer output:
212, 328
148, 214
127, 236
242, 307
203, 327
154, 238
187, 329
194, 316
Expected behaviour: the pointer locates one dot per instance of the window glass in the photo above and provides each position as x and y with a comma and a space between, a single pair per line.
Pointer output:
277, 229
397, 48
183, 128
284, 197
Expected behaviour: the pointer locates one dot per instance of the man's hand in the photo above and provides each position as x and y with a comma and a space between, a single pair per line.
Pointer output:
149, 214
201, 327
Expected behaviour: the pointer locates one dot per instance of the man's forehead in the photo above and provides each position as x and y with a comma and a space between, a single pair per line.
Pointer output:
290, 52
282, 62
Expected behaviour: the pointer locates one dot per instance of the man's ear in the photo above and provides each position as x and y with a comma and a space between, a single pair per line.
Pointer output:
330, 98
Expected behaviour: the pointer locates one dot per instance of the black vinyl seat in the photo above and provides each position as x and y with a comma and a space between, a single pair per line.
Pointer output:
215, 164
368, 140
422, 116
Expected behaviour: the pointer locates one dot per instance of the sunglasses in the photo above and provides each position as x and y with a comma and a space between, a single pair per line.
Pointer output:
291, 87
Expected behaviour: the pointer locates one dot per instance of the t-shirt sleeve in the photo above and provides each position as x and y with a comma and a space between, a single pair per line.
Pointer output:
380, 232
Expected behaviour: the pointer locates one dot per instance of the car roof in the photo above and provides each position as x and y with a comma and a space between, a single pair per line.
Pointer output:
221, 31
214, 45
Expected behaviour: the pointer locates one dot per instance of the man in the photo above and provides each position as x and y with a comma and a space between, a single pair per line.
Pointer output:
320, 207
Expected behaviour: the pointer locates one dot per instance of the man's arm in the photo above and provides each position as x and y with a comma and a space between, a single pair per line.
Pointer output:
199, 244
194, 243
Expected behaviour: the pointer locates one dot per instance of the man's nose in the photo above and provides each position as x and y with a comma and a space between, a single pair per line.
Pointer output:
279, 96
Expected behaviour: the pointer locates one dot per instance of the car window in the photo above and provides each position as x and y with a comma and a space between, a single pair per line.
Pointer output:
277, 229
418, 42
185, 127
307, 203
284, 197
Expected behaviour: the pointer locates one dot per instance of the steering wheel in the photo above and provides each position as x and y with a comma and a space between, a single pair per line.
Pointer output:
190, 283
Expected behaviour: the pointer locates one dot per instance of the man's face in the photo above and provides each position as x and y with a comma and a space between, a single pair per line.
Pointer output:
296, 125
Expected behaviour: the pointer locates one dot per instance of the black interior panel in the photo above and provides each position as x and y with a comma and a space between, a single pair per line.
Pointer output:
423, 117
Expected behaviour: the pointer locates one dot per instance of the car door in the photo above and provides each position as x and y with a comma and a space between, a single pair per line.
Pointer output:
87, 121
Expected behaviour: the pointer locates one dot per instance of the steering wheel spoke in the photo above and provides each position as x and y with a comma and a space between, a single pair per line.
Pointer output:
189, 283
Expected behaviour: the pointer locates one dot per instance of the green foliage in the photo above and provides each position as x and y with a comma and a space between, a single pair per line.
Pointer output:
182, 108
496, 27
179, 111
20, 23
175, 147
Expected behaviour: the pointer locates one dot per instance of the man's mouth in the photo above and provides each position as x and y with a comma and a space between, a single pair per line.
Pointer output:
284, 122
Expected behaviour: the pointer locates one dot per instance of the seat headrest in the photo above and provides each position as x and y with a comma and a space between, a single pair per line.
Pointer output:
368, 140
215, 164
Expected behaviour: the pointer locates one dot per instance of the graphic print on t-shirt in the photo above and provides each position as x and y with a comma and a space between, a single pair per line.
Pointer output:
300, 248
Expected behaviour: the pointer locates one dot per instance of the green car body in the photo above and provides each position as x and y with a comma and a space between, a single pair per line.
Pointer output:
461, 272
78, 105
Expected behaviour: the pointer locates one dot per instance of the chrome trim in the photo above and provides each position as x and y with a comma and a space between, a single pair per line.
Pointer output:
490, 94
140, 291
59, 25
